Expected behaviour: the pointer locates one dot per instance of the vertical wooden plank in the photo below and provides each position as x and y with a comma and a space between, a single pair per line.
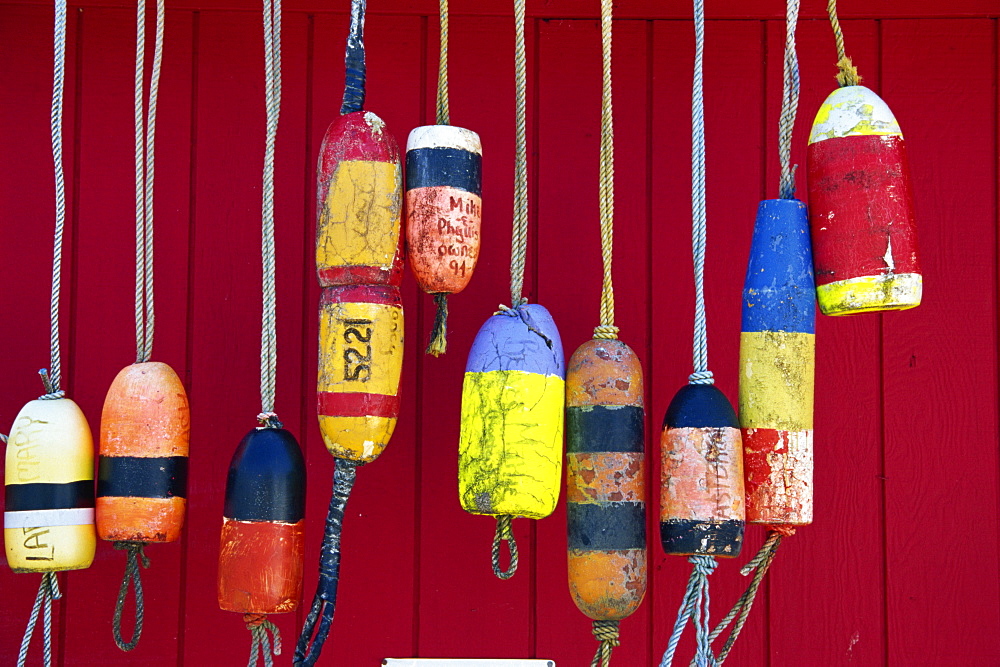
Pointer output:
569, 139
376, 597
459, 595
105, 286
939, 361
821, 566
732, 126
227, 277
27, 196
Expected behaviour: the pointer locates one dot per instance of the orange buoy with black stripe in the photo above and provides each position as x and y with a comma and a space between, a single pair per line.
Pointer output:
142, 469
605, 481
49, 489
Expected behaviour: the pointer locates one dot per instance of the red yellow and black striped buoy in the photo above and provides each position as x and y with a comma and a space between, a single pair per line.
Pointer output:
49, 489
513, 398
777, 367
142, 468
605, 482
263, 529
702, 507
861, 207
443, 213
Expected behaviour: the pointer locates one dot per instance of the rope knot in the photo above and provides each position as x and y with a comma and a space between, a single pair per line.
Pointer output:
703, 565
701, 377
780, 529
606, 332
261, 640
52, 391
504, 534
607, 631
848, 73
269, 420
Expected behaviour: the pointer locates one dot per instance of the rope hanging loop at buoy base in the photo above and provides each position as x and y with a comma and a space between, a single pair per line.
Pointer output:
504, 533
48, 590
606, 632
134, 556
265, 639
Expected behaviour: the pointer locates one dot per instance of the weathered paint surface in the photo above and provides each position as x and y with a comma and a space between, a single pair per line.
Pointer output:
861, 207
359, 203
777, 371
510, 446
49, 504
360, 362
702, 503
606, 480
443, 206
263, 532
145, 416
779, 476
260, 566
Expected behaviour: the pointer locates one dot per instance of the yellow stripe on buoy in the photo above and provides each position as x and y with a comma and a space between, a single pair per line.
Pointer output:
777, 371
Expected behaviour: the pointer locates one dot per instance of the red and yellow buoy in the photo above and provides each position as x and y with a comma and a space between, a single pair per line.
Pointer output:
861, 207
143, 463
49, 489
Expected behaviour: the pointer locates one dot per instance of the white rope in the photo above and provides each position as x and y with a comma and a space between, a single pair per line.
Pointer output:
519, 242
699, 231
145, 134
56, 123
789, 102
272, 97
48, 590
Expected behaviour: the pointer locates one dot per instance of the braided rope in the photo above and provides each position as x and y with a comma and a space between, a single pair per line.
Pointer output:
694, 606
145, 133
48, 590
606, 632
848, 73
56, 125
789, 102
354, 60
519, 242
504, 533
261, 631
606, 188
699, 232
134, 554
272, 96
443, 113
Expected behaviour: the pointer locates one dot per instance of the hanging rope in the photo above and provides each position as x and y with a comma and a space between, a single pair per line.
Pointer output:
54, 385
438, 344
325, 601
261, 631
519, 242
272, 97
354, 77
145, 133
606, 187
848, 73
694, 606
504, 534
48, 591
759, 565
606, 632
789, 102
132, 574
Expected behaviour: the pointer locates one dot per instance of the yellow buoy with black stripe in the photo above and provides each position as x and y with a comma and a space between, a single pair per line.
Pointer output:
49, 489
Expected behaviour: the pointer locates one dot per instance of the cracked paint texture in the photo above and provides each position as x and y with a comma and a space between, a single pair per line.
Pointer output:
853, 111
50, 443
702, 474
777, 379
609, 585
779, 476
260, 566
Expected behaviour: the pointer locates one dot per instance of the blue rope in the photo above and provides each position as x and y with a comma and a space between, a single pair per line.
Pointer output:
354, 60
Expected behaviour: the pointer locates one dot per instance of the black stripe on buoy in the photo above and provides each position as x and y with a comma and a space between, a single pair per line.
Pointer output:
723, 538
266, 479
137, 477
451, 167
606, 527
700, 406
41, 496
601, 428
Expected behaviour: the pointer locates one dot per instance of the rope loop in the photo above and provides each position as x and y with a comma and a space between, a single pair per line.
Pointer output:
269, 420
694, 607
261, 643
48, 590
603, 332
701, 377
134, 555
504, 534
606, 632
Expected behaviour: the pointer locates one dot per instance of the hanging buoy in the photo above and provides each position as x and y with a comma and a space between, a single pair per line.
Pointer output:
605, 480
358, 203
360, 363
443, 210
49, 489
777, 367
142, 468
263, 531
702, 508
861, 207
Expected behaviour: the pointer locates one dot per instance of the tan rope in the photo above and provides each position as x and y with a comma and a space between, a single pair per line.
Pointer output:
443, 114
606, 187
606, 632
848, 74
504, 533
145, 132
519, 242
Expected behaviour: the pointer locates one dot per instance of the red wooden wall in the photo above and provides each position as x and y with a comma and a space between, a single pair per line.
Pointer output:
901, 565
